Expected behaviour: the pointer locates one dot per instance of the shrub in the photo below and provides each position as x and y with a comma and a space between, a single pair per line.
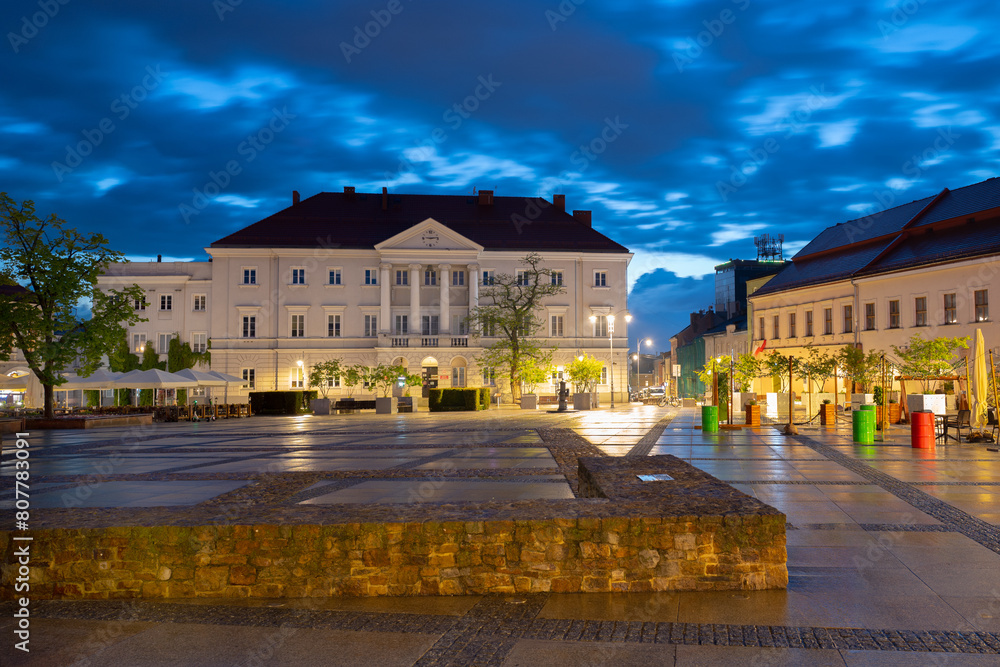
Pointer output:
453, 400
280, 402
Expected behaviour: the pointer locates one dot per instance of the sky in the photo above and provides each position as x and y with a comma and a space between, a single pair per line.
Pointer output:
687, 127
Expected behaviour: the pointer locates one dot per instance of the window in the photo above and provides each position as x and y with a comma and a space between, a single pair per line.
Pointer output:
334, 277
488, 275
458, 376
402, 325
776, 327
249, 326
371, 325
402, 277
600, 278
163, 342
298, 326
249, 275
199, 342
429, 325
249, 378
199, 302
139, 304
791, 325
894, 314
430, 276
869, 317
459, 325
760, 328
604, 375
982, 298
950, 309
166, 302
298, 276
809, 323
828, 321
920, 311
333, 382
297, 377
489, 328
522, 278
458, 280
557, 277
556, 325
138, 342
333, 326
848, 319
600, 326
371, 277
489, 378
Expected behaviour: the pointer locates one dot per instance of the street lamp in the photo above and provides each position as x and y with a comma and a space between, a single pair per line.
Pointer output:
638, 353
610, 318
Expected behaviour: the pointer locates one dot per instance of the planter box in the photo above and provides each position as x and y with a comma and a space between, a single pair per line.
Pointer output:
582, 401
828, 414
320, 406
529, 401
895, 413
752, 415
386, 406
926, 403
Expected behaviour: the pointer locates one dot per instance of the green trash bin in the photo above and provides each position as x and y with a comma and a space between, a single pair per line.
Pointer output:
866, 406
710, 418
863, 422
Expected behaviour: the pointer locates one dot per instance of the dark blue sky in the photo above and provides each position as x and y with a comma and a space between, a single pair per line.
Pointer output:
687, 127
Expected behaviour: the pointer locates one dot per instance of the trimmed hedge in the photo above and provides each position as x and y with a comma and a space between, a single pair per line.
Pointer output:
449, 400
280, 402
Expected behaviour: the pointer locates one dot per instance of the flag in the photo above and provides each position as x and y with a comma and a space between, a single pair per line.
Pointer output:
760, 349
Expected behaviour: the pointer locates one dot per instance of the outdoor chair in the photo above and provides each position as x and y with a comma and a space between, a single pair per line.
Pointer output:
992, 422
961, 421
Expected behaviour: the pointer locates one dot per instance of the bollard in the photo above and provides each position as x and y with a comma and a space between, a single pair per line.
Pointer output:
922, 430
710, 418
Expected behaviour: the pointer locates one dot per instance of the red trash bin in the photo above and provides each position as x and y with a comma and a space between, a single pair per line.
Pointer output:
922, 430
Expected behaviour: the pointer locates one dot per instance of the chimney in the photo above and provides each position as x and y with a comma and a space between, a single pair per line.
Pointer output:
295, 197
583, 217
349, 192
486, 198
559, 201
159, 258
385, 198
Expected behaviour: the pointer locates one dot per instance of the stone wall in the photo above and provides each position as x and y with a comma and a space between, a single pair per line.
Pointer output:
693, 533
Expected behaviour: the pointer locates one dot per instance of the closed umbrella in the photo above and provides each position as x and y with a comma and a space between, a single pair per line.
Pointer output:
980, 383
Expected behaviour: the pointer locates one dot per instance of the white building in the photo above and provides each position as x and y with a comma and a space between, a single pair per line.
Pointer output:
929, 267
380, 278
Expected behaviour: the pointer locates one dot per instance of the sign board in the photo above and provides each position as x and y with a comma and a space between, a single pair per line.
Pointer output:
676, 370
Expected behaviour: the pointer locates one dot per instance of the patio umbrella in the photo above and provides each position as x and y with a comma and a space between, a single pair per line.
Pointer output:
102, 378
201, 378
229, 380
153, 378
980, 383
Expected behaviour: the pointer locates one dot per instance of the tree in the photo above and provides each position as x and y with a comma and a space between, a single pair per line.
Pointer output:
384, 377
324, 375
585, 372
818, 367
122, 360
535, 373
746, 369
858, 367
925, 360
351, 376
508, 311
776, 365
59, 267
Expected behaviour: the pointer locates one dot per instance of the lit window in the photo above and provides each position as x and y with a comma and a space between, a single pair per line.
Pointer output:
249, 378
950, 309
848, 319
920, 311
869, 317
809, 323
894, 314
982, 305
828, 321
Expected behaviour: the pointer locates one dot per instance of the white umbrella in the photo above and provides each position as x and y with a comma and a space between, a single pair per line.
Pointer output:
202, 378
99, 379
229, 380
153, 378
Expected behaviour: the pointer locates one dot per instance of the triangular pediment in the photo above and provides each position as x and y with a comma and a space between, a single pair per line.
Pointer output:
428, 235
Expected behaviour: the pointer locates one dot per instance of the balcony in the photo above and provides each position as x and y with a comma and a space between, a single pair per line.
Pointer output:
411, 340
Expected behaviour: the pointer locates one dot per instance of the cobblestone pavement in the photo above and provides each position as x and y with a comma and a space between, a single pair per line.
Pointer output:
893, 552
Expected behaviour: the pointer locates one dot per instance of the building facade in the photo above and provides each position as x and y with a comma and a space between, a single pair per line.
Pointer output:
372, 278
929, 267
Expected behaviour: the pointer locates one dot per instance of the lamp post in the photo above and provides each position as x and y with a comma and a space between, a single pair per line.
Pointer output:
610, 319
638, 354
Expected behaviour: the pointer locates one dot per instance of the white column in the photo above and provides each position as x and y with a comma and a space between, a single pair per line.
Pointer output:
473, 286
385, 298
444, 270
415, 299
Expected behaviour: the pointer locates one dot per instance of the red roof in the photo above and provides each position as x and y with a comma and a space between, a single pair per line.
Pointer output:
341, 220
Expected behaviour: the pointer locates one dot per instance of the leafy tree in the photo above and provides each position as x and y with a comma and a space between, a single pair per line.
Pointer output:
324, 374
720, 366
122, 360
585, 372
181, 356
412, 380
508, 310
927, 359
59, 268
746, 369
351, 376
384, 377
535, 373
860, 368
776, 365
818, 367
